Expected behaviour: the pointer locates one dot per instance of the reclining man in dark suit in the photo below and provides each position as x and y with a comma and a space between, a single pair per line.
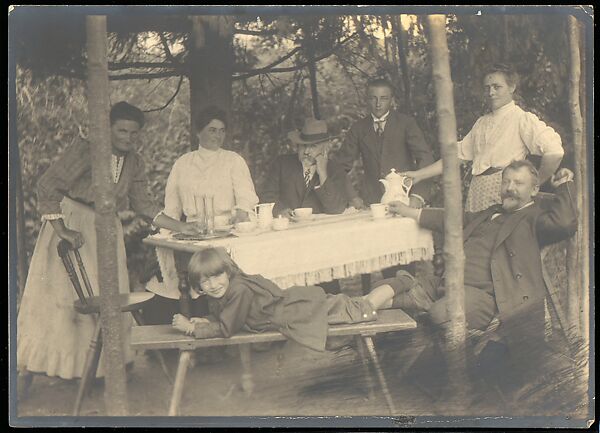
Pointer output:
503, 275
307, 178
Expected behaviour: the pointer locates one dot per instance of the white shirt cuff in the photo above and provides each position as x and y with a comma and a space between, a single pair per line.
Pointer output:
52, 217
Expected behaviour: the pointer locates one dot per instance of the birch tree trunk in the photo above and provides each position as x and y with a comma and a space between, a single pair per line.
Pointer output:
115, 394
454, 340
402, 44
309, 45
211, 61
578, 256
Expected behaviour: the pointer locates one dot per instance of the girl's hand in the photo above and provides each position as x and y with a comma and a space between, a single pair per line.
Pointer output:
182, 324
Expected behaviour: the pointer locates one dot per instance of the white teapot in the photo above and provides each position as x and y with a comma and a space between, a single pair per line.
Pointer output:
397, 187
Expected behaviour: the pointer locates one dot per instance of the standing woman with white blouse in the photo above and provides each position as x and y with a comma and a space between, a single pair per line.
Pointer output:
210, 170
508, 133
52, 338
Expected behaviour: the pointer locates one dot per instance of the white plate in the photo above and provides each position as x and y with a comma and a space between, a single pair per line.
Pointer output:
252, 233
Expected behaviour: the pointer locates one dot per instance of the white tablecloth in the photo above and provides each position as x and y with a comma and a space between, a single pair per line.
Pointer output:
308, 253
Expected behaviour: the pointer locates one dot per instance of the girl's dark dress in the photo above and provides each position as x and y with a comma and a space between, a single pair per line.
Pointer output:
301, 313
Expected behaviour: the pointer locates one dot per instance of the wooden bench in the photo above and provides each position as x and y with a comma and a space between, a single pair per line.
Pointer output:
166, 337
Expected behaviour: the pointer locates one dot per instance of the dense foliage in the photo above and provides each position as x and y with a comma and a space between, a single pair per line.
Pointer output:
52, 110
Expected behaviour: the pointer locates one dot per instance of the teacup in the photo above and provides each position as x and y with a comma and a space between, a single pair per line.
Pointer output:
245, 227
378, 210
280, 223
222, 221
303, 212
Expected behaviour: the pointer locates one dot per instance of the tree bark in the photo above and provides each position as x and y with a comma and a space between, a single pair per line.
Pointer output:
211, 61
402, 44
309, 46
578, 260
115, 394
453, 216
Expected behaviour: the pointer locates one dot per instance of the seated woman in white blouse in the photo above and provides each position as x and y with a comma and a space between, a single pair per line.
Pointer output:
210, 170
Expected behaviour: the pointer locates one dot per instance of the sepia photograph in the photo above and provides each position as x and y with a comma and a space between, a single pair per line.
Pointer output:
281, 216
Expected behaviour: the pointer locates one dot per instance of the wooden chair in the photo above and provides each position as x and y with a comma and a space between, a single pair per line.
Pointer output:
90, 304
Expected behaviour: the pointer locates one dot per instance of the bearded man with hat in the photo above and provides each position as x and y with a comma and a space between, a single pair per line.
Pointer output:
306, 178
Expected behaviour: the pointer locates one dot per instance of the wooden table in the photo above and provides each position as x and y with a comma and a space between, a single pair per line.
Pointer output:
166, 337
329, 247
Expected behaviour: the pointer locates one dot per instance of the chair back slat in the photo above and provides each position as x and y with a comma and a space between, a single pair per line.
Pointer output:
63, 249
83, 272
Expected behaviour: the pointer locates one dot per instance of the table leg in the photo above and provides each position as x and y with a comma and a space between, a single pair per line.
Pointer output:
365, 362
386, 392
365, 280
92, 358
184, 361
161, 360
247, 382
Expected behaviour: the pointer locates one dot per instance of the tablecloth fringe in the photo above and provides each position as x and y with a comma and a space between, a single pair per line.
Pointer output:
359, 267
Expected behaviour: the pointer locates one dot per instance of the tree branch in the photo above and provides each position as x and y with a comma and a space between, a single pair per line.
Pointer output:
145, 76
170, 99
296, 67
131, 65
273, 64
165, 44
268, 32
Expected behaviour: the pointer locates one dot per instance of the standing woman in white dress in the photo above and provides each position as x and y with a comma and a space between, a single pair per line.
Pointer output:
506, 134
52, 338
210, 170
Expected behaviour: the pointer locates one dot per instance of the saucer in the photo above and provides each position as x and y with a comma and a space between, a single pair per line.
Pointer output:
256, 231
202, 237
302, 219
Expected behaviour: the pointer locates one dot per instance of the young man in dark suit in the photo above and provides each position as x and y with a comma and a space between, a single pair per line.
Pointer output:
384, 139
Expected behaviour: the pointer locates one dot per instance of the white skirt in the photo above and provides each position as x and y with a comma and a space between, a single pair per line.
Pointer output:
52, 338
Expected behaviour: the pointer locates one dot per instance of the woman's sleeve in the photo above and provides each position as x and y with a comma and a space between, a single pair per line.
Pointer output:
465, 146
139, 198
539, 138
56, 182
173, 206
243, 187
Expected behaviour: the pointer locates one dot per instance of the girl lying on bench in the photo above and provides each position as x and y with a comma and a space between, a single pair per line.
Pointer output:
238, 301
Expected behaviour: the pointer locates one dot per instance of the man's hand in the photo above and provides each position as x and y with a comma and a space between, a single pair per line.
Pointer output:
240, 216
286, 213
414, 175
358, 203
416, 202
399, 208
181, 323
561, 176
